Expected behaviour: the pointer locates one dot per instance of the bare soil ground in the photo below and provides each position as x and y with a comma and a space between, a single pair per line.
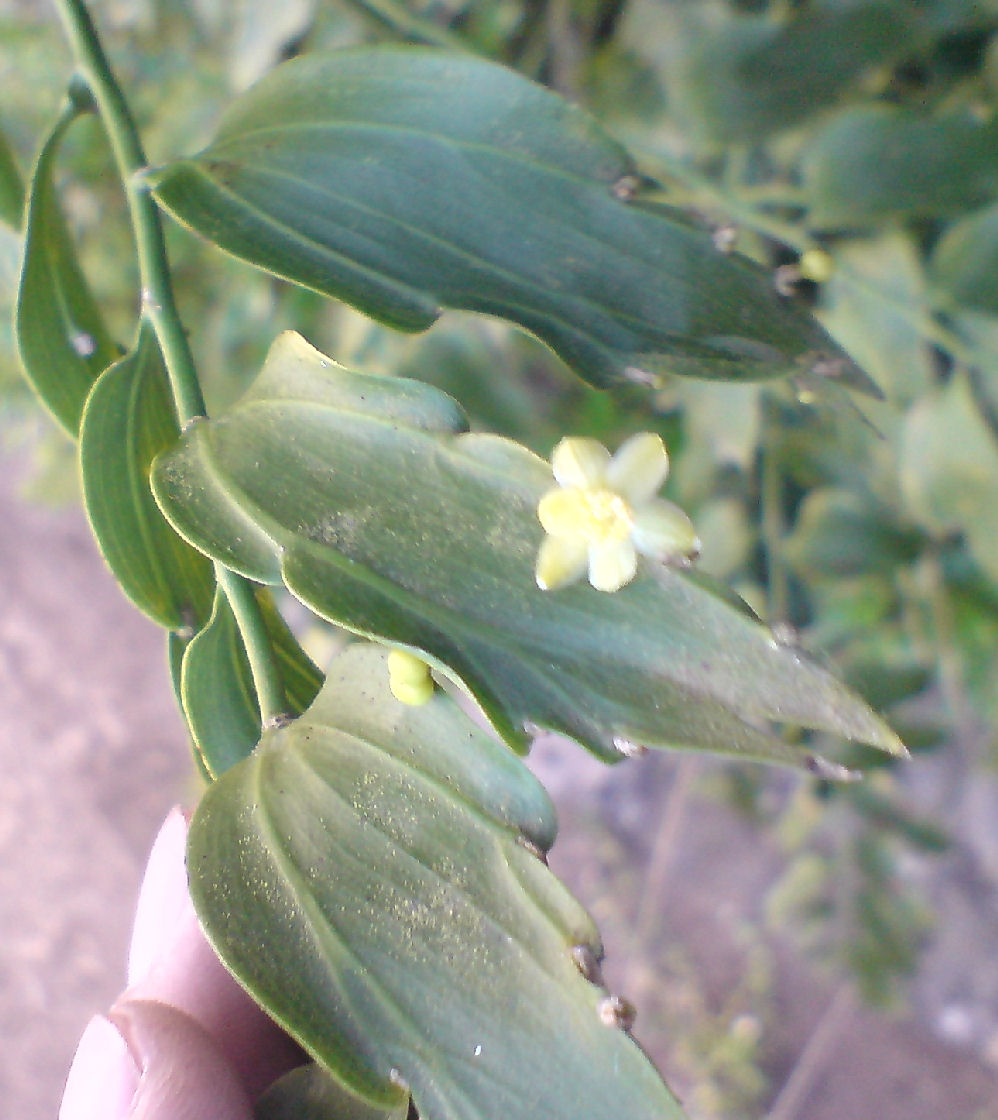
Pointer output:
93, 755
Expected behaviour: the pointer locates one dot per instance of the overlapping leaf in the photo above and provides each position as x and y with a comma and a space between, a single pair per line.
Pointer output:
363, 874
128, 420
409, 180
61, 336
369, 500
216, 685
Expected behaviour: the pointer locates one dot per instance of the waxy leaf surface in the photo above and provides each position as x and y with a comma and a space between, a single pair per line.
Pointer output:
405, 181
367, 497
61, 336
127, 422
364, 875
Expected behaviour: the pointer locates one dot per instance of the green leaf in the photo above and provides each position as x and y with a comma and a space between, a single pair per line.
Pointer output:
217, 692
840, 533
61, 336
364, 875
878, 163
369, 500
308, 1093
11, 187
964, 264
128, 420
748, 76
949, 470
875, 305
407, 180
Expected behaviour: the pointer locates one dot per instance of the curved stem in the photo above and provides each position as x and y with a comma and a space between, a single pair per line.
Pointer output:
158, 306
160, 311
267, 677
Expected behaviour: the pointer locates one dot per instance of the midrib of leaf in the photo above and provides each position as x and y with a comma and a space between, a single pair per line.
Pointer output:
485, 820
320, 919
321, 925
462, 144
518, 279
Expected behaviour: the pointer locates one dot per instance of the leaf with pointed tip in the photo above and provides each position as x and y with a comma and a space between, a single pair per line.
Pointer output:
880, 163
217, 692
127, 421
406, 180
61, 336
369, 500
363, 875
11, 187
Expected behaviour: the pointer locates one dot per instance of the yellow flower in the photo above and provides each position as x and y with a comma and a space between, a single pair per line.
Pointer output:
409, 678
604, 512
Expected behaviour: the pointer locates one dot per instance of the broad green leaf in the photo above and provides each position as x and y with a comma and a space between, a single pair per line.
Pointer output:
748, 76
875, 305
364, 875
217, 692
128, 420
949, 470
11, 187
61, 336
964, 264
409, 180
369, 500
308, 1093
879, 163
840, 534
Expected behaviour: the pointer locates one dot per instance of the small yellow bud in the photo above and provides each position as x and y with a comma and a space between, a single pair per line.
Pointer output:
816, 265
409, 678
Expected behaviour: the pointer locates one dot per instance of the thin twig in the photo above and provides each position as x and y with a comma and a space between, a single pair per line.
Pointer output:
815, 1056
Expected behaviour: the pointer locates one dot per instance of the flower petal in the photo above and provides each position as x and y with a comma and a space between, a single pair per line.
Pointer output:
664, 532
580, 462
639, 467
561, 561
612, 565
561, 512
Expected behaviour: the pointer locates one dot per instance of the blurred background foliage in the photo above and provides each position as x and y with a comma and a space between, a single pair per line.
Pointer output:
852, 146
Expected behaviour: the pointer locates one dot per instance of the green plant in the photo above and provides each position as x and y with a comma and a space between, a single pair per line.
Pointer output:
373, 871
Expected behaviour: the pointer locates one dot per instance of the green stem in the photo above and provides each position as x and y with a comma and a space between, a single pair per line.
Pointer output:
159, 309
267, 677
158, 306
